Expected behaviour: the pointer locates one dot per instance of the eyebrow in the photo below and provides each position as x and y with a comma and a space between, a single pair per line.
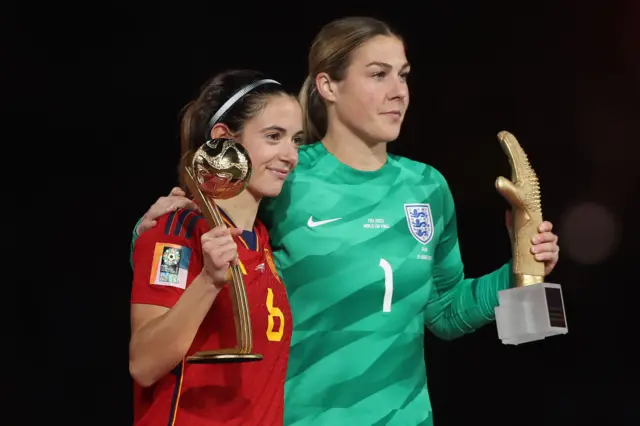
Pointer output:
280, 129
387, 66
274, 127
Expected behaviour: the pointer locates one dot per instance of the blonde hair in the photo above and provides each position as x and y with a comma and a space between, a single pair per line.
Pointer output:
331, 53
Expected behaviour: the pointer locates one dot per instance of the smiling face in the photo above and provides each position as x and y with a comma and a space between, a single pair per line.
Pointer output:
373, 96
271, 138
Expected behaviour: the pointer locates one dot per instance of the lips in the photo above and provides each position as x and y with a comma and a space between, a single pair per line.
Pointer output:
279, 172
393, 113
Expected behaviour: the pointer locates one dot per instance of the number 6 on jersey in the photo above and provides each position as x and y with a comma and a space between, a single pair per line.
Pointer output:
388, 285
274, 312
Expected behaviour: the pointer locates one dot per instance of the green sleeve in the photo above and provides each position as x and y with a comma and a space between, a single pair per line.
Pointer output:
460, 305
133, 241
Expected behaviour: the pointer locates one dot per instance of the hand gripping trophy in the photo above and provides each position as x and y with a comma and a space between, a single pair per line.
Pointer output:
533, 309
221, 169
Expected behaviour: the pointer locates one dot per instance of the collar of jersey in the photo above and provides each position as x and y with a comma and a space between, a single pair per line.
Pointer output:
353, 174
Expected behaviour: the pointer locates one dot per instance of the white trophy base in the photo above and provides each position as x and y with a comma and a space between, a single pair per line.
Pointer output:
530, 313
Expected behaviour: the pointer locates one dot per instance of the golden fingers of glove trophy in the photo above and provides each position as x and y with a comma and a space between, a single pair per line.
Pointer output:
533, 309
221, 169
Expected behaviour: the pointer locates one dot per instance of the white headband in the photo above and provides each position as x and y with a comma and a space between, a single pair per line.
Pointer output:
232, 100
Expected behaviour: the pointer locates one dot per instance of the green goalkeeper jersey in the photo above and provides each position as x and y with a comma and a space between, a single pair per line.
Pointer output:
369, 259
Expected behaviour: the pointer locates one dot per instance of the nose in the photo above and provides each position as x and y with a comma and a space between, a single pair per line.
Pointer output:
400, 90
289, 153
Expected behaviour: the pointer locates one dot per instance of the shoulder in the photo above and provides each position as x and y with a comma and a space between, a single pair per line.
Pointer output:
174, 241
309, 155
428, 181
182, 226
272, 209
424, 173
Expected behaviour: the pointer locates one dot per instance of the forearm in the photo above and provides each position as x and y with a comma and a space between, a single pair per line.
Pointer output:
158, 346
469, 305
460, 305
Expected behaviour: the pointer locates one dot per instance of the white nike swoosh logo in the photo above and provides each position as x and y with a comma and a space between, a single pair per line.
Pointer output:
312, 224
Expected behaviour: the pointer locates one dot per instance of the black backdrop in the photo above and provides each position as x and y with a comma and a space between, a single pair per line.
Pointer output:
107, 83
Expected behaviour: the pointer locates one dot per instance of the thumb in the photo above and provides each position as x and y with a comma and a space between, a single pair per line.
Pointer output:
145, 225
508, 190
234, 232
177, 191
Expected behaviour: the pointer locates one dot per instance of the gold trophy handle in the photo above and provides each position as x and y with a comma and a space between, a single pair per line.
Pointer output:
533, 310
237, 293
523, 193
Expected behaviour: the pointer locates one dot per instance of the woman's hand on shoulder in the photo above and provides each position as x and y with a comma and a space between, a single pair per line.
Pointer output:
175, 200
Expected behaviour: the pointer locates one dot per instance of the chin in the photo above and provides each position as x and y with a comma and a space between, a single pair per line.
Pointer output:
389, 135
272, 190
387, 132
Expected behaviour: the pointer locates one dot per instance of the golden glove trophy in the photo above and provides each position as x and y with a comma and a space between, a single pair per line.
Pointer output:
221, 169
533, 309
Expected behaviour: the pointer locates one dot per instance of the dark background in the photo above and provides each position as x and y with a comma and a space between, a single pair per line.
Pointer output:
94, 92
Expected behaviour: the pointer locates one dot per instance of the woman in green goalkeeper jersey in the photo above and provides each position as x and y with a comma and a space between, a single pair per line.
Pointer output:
366, 243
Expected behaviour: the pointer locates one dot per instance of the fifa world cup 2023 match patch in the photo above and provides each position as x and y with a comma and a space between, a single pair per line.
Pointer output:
170, 265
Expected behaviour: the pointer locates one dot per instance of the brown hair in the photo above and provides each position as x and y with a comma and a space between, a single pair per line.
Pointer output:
213, 94
331, 53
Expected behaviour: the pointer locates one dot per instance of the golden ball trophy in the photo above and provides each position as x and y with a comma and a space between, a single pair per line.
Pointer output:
533, 309
220, 169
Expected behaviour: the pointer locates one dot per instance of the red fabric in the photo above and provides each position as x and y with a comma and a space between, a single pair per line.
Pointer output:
220, 394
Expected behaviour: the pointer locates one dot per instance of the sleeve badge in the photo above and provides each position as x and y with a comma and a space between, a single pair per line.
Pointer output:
170, 265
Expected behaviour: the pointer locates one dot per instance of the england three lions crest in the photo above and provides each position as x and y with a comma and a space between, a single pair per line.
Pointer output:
420, 221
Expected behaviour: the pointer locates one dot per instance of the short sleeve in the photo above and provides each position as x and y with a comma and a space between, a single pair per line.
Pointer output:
163, 266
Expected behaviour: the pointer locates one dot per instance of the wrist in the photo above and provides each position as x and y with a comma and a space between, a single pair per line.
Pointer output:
209, 280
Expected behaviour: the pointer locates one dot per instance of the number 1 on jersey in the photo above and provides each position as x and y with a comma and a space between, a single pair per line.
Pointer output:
388, 285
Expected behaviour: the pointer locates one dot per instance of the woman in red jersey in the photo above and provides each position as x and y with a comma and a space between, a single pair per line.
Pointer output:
180, 303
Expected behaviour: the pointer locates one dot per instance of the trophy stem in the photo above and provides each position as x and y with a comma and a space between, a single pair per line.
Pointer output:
522, 280
237, 294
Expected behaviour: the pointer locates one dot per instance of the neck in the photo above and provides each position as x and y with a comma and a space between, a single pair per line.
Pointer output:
353, 150
241, 209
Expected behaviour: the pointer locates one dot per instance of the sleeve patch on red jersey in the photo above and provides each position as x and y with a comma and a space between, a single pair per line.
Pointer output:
170, 265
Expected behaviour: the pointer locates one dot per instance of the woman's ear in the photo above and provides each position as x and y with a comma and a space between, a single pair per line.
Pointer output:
326, 87
221, 131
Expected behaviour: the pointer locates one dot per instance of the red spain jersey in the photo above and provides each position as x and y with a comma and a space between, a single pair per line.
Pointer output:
166, 259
